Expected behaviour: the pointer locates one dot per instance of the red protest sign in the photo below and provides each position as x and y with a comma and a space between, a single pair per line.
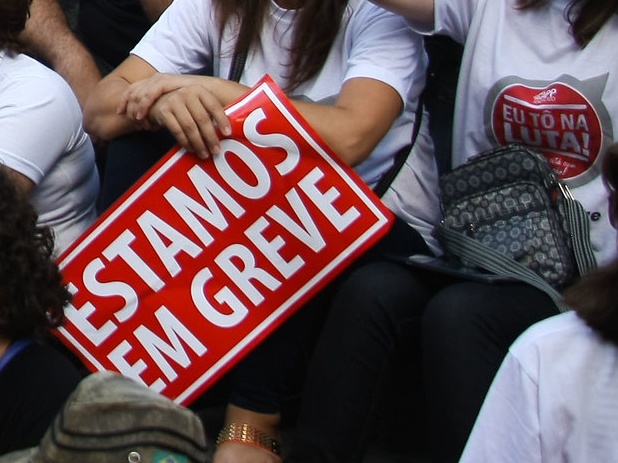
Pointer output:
202, 259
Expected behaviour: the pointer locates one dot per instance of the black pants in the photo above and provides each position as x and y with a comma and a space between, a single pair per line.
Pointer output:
126, 159
376, 311
464, 330
467, 330
267, 374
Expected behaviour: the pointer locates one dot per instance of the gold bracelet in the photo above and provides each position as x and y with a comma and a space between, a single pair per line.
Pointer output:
246, 434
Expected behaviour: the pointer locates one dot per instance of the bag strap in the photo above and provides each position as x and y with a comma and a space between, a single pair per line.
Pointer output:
478, 254
400, 158
14, 348
483, 256
579, 225
238, 65
238, 60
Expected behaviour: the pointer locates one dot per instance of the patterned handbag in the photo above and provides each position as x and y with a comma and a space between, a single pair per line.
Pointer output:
507, 212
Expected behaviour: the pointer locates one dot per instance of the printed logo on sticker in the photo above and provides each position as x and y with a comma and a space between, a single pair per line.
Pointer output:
161, 456
565, 119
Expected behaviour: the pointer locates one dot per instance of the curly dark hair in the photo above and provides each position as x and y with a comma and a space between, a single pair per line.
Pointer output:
595, 296
32, 292
13, 17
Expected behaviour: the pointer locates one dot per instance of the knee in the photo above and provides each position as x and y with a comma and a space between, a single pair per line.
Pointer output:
479, 318
458, 309
379, 291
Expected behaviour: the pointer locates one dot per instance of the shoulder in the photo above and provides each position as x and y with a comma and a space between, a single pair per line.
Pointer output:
17, 67
371, 27
364, 10
561, 343
47, 355
32, 388
39, 365
26, 81
552, 331
29, 87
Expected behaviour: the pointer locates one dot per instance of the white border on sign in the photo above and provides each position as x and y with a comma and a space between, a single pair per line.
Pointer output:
275, 315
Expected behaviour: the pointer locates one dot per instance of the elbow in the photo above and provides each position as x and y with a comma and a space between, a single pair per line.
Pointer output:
95, 129
88, 121
102, 126
91, 121
353, 150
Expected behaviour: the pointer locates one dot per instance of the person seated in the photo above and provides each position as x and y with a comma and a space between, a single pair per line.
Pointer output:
354, 72
468, 326
82, 41
35, 377
43, 146
555, 397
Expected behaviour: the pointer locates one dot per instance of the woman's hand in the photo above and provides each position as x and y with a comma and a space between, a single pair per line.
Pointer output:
193, 115
137, 99
183, 104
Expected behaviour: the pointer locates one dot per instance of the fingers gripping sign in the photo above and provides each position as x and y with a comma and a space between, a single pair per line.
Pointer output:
192, 114
182, 104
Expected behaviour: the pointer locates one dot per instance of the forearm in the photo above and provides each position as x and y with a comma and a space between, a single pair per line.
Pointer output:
48, 36
101, 119
192, 106
79, 69
349, 136
351, 127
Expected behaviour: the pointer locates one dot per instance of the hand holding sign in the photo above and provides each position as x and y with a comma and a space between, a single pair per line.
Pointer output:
178, 102
204, 258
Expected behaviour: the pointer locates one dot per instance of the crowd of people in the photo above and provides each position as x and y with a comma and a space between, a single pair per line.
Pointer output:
94, 99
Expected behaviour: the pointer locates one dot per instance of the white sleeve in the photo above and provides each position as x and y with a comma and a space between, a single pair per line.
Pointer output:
386, 49
182, 40
37, 123
451, 18
507, 428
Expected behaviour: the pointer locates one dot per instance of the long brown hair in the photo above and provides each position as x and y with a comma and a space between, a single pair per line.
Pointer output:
317, 25
595, 296
586, 17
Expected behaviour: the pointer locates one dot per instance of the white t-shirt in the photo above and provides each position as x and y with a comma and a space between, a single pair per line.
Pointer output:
524, 80
374, 43
554, 399
41, 137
